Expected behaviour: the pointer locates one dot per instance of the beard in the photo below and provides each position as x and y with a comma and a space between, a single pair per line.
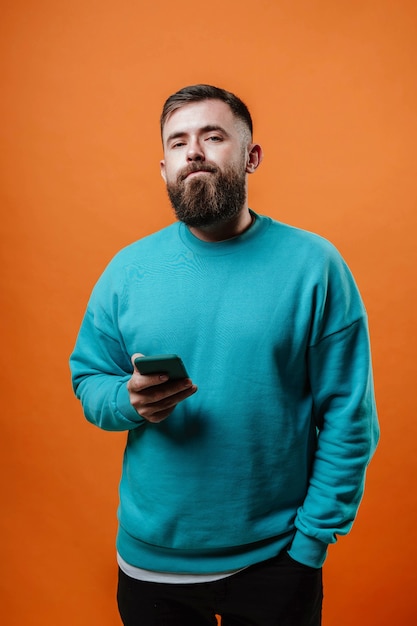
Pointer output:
210, 198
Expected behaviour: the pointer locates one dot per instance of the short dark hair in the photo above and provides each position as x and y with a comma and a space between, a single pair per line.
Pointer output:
196, 93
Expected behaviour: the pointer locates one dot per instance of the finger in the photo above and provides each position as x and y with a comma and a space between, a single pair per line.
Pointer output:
148, 404
153, 394
139, 383
158, 410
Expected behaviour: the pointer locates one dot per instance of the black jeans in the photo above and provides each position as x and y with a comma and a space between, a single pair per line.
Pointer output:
277, 592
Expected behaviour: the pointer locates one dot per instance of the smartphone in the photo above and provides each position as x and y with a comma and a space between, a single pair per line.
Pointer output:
169, 364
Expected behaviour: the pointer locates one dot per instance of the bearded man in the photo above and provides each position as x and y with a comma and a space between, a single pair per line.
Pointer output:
236, 480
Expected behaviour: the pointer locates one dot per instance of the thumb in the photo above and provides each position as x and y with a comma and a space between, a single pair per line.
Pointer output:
133, 357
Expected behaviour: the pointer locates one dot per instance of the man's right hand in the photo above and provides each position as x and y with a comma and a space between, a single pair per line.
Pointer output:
155, 396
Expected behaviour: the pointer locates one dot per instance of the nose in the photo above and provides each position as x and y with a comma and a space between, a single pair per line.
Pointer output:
195, 151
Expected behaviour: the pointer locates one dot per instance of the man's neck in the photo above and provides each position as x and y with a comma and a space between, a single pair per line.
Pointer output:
224, 230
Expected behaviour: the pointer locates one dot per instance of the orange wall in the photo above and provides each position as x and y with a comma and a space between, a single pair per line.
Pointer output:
332, 87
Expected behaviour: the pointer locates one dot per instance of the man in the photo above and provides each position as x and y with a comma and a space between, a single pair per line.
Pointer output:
234, 480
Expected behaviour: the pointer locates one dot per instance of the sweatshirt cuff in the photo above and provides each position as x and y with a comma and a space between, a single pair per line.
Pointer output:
125, 409
307, 550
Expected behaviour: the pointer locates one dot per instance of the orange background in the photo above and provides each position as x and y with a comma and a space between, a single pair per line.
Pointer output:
332, 88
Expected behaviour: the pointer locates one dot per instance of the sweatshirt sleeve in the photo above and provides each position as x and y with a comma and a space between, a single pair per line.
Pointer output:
100, 364
340, 376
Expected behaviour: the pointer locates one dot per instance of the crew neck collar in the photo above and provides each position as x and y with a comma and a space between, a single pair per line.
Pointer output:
227, 246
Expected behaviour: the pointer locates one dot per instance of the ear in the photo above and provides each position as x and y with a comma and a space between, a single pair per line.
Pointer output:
255, 156
162, 166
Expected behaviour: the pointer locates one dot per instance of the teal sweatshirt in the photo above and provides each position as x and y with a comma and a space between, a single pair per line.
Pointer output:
271, 451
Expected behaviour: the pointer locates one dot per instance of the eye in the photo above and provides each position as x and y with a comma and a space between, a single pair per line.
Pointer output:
214, 138
177, 144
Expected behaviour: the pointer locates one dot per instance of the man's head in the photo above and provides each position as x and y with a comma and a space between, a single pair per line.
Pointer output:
208, 152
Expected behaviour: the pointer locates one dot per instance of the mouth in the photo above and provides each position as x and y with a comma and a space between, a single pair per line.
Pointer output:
202, 170
197, 172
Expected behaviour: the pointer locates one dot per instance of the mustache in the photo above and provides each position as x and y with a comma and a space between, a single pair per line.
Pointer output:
196, 167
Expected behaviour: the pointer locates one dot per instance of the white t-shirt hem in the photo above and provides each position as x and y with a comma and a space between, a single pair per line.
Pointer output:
169, 577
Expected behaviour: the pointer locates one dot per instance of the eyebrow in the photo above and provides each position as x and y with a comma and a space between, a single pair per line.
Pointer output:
205, 129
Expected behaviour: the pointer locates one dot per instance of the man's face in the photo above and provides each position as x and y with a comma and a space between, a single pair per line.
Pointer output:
206, 151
